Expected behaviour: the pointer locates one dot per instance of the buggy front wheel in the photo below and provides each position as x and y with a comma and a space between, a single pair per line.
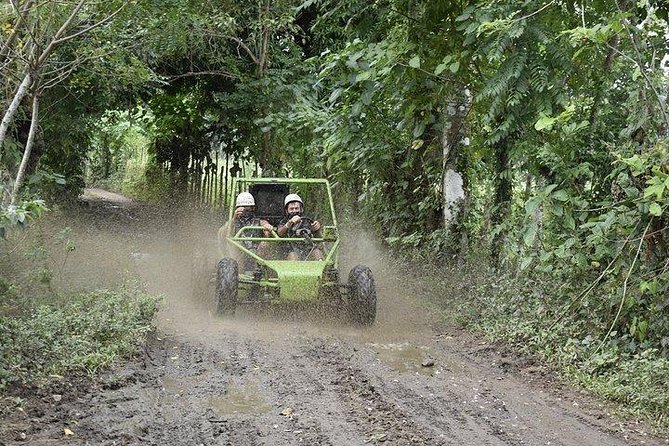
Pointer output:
361, 296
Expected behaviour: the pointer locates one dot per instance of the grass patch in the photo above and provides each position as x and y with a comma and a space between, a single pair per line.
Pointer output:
83, 334
637, 383
529, 314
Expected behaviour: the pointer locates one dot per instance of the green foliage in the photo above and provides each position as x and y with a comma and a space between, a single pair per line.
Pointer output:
19, 215
566, 164
583, 235
365, 131
82, 335
151, 184
529, 314
119, 147
636, 383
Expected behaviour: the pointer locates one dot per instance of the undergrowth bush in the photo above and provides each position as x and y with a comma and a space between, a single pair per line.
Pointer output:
533, 314
88, 332
153, 184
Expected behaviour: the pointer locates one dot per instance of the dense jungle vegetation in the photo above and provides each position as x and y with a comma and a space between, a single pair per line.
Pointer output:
524, 145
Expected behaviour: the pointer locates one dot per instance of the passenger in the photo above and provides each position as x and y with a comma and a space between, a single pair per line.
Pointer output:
296, 225
244, 215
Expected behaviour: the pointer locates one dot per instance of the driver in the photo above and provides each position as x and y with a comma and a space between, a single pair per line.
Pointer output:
293, 226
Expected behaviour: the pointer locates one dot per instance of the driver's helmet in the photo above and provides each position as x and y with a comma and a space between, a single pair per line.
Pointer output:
245, 199
290, 198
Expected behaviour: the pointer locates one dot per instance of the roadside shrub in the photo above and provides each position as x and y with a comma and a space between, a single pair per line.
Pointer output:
89, 332
19, 215
152, 184
531, 313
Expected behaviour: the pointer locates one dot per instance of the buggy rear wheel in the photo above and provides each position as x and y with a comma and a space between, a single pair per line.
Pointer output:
361, 296
227, 275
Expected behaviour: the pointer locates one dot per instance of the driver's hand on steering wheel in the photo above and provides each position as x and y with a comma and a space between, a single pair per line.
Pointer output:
295, 220
315, 226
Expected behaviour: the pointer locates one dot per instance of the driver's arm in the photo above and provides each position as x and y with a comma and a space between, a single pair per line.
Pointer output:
232, 223
284, 228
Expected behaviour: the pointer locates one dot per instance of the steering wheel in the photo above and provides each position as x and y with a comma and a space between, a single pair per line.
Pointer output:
303, 228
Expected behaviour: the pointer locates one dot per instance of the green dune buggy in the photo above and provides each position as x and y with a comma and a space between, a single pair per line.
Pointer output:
244, 276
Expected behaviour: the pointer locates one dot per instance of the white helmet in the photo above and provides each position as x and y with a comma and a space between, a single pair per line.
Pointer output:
245, 199
290, 198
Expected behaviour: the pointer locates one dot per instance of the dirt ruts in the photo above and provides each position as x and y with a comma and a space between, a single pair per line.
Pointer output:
302, 387
256, 380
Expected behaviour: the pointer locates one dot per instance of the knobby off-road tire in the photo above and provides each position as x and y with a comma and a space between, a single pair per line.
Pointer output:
361, 296
227, 275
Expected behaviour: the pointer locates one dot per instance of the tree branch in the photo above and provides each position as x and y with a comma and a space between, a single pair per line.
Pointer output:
54, 41
639, 63
538, 11
61, 74
92, 27
649, 83
592, 286
622, 299
6, 47
245, 48
222, 73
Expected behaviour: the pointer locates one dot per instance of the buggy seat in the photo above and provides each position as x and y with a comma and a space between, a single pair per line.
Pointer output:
269, 201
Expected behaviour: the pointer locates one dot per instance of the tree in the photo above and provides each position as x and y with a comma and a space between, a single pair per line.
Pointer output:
41, 29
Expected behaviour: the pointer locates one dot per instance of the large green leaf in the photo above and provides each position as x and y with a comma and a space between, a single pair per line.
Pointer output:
530, 234
655, 209
545, 123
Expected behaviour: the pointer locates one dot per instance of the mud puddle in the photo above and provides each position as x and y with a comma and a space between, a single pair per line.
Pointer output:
406, 358
239, 399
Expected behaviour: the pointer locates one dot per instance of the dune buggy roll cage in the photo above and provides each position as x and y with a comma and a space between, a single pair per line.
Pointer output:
295, 279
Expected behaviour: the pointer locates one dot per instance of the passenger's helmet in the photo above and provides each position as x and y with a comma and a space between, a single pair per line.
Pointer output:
290, 198
245, 199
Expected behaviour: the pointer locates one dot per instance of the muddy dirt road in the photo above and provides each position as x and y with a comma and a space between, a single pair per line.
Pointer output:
255, 380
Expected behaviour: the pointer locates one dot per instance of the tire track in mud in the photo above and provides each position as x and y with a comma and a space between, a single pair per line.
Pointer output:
301, 387
251, 381
397, 413
378, 418
340, 398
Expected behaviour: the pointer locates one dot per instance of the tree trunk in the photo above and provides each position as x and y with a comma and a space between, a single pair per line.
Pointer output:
502, 194
8, 118
37, 61
268, 161
106, 157
452, 134
26, 153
